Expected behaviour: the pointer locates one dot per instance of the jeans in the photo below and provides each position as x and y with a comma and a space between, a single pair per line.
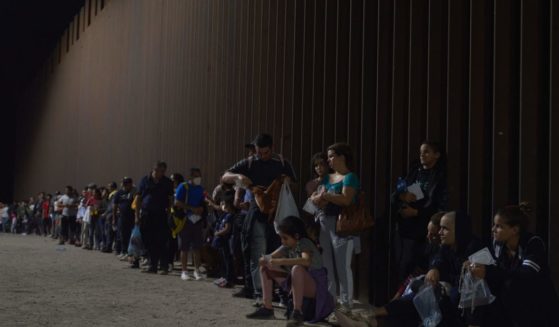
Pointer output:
337, 253
86, 229
258, 248
5, 224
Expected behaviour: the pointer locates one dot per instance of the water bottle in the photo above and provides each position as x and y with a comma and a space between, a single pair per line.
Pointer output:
401, 185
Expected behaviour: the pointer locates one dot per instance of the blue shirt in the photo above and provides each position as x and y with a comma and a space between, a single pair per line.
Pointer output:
194, 197
155, 196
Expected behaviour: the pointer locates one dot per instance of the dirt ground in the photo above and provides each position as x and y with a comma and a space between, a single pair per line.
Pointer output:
43, 284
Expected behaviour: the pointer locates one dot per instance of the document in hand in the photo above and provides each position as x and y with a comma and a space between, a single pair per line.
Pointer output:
416, 190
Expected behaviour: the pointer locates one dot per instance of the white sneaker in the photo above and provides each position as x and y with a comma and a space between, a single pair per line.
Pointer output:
185, 276
197, 275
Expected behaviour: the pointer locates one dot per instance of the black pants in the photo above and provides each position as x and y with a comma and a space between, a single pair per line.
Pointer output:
73, 234
409, 255
227, 270
245, 251
156, 234
173, 248
126, 224
64, 228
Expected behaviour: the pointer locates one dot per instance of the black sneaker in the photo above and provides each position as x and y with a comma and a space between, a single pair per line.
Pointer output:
296, 319
243, 293
262, 313
149, 271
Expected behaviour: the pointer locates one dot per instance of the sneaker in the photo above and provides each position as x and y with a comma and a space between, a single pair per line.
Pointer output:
185, 276
262, 313
243, 293
149, 271
282, 303
197, 275
164, 272
218, 281
296, 319
135, 265
258, 302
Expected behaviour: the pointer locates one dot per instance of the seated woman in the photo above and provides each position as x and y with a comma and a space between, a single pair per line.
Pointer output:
400, 311
297, 266
457, 244
520, 280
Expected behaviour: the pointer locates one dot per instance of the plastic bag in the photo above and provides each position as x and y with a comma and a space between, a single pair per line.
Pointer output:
410, 289
136, 246
482, 257
427, 306
474, 292
286, 205
87, 216
310, 207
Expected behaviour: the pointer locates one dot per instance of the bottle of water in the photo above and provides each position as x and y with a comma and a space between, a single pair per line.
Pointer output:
401, 185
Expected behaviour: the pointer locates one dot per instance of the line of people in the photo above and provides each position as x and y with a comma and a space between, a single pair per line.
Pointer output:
304, 264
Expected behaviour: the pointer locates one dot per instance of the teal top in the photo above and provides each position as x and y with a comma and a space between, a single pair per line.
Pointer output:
350, 180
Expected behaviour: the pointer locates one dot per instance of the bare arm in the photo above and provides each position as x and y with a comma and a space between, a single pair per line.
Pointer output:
305, 260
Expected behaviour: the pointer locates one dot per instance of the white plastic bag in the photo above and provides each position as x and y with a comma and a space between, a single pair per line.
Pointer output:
482, 257
427, 307
286, 205
310, 207
474, 292
87, 216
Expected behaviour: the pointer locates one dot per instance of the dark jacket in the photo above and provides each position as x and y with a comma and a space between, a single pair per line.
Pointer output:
434, 187
522, 284
449, 262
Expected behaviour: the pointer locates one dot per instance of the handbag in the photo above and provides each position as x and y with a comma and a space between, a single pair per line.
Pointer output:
355, 218
267, 199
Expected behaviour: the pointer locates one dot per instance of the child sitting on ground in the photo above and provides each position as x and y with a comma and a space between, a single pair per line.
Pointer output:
297, 266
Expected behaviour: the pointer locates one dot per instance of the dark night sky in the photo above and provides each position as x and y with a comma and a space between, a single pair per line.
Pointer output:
29, 30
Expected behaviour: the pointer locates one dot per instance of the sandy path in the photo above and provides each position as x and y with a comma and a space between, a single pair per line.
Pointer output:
42, 284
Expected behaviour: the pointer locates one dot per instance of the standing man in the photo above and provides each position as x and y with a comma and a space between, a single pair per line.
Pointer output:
69, 206
259, 170
189, 199
110, 225
155, 198
123, 215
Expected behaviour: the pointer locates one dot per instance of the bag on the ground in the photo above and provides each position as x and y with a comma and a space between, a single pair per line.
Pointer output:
136, 246
427, 307
355, 218
286, 205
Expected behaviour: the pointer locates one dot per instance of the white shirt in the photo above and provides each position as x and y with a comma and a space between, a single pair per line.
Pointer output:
66, 201
4, 213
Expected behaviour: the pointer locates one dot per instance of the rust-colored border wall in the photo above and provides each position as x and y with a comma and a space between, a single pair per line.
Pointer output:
191, 81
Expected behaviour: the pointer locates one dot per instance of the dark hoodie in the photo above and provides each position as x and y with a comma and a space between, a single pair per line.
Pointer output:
434, 187
524, 290
449, 262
